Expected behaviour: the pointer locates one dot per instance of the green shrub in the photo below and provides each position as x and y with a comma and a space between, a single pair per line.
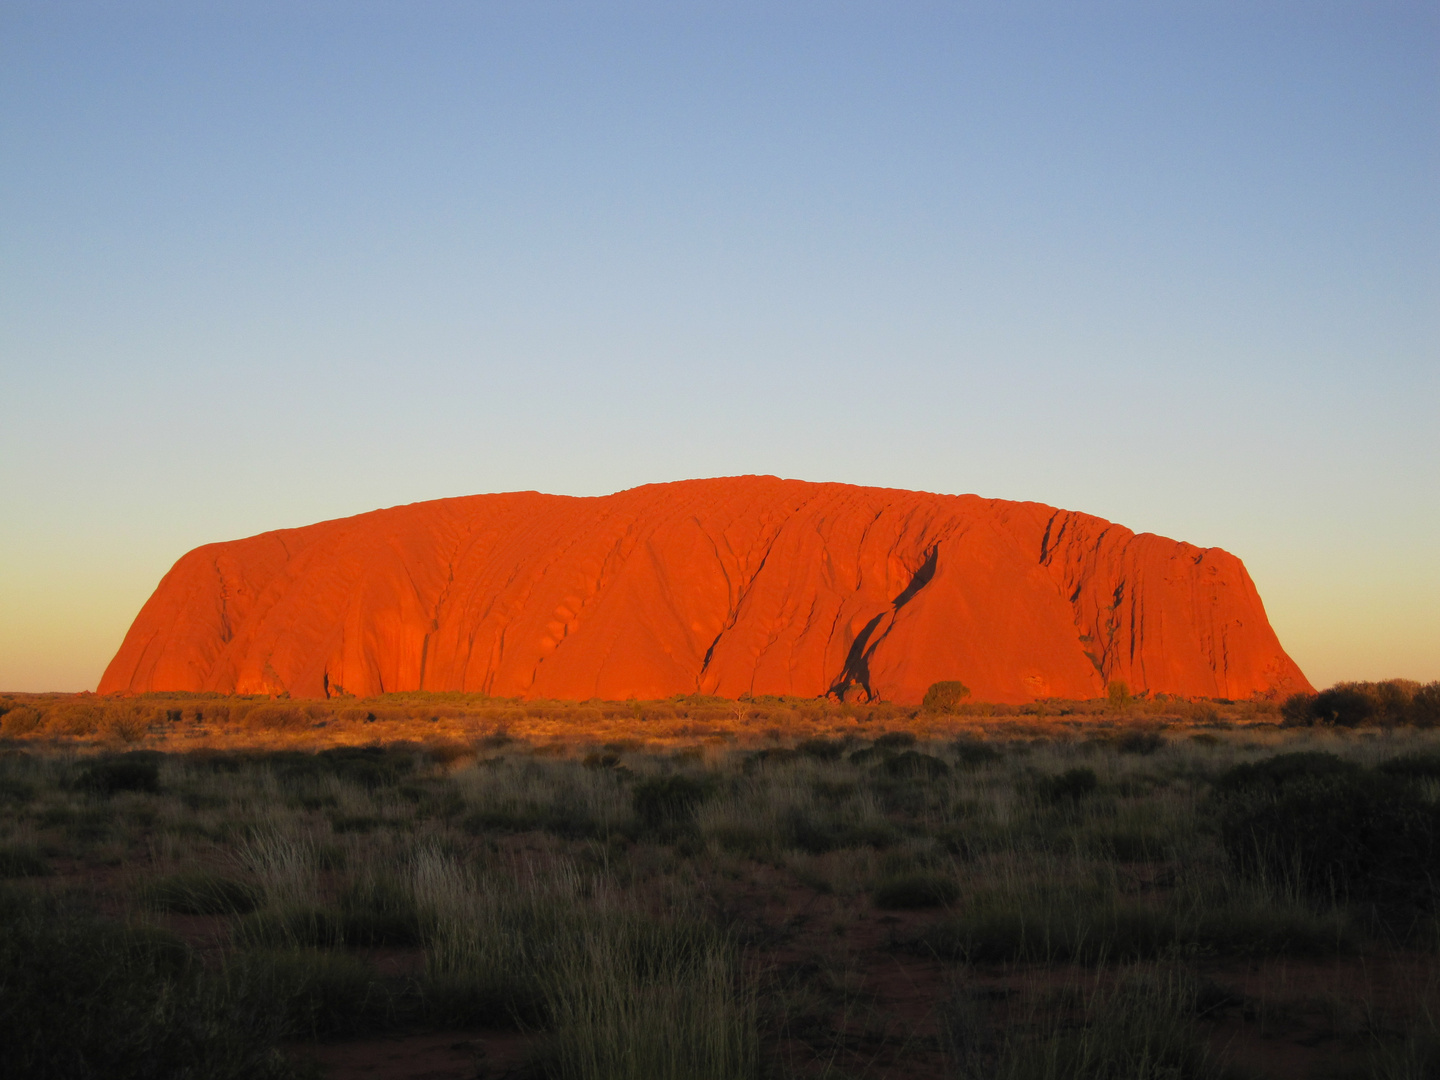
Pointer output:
973, 753
893, 740
668, 800
21, 720
771, 755
1350, 835
944, 696
900, 794
1344, 706
369, 767
1425, 706
18, 861
1349, 704
737, 838
562, 816
217, 761
15, 790
915, 890
816, 834
1298, 710
200, 892
135, 771
1070, 786
1423, 765
276, 717
912, 763
1275, 772
811, 833
448, 752
442, 801
1140, 742
822, 749
90, 825
1392, 699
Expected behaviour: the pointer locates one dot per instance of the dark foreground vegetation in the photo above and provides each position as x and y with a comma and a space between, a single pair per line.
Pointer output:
1208, 895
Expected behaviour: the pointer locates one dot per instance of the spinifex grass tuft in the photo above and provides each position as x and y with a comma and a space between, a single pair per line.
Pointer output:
485, 938
1142, 1028
200, 892
632, 999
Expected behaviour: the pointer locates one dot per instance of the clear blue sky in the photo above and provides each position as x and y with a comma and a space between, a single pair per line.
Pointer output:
1175, 264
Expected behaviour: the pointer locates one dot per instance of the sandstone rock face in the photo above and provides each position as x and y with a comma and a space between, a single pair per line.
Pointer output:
729, 586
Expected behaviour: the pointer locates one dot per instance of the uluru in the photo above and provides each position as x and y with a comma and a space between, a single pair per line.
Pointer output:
733, 586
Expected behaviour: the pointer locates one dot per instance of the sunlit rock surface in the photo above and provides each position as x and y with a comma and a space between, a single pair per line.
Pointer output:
728, 586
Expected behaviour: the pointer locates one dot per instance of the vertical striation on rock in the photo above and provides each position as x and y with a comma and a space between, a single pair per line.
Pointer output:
728, 586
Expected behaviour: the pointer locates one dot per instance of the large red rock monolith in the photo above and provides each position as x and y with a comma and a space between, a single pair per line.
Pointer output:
739, 585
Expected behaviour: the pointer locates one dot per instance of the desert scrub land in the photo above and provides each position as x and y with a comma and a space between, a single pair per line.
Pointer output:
695, 888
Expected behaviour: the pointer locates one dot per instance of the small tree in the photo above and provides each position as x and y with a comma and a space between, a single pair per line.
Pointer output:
1119, 693
1344, 705
1425, 706
944, 696
1298, 710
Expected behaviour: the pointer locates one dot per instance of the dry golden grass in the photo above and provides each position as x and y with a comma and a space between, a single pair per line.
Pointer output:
184, 722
